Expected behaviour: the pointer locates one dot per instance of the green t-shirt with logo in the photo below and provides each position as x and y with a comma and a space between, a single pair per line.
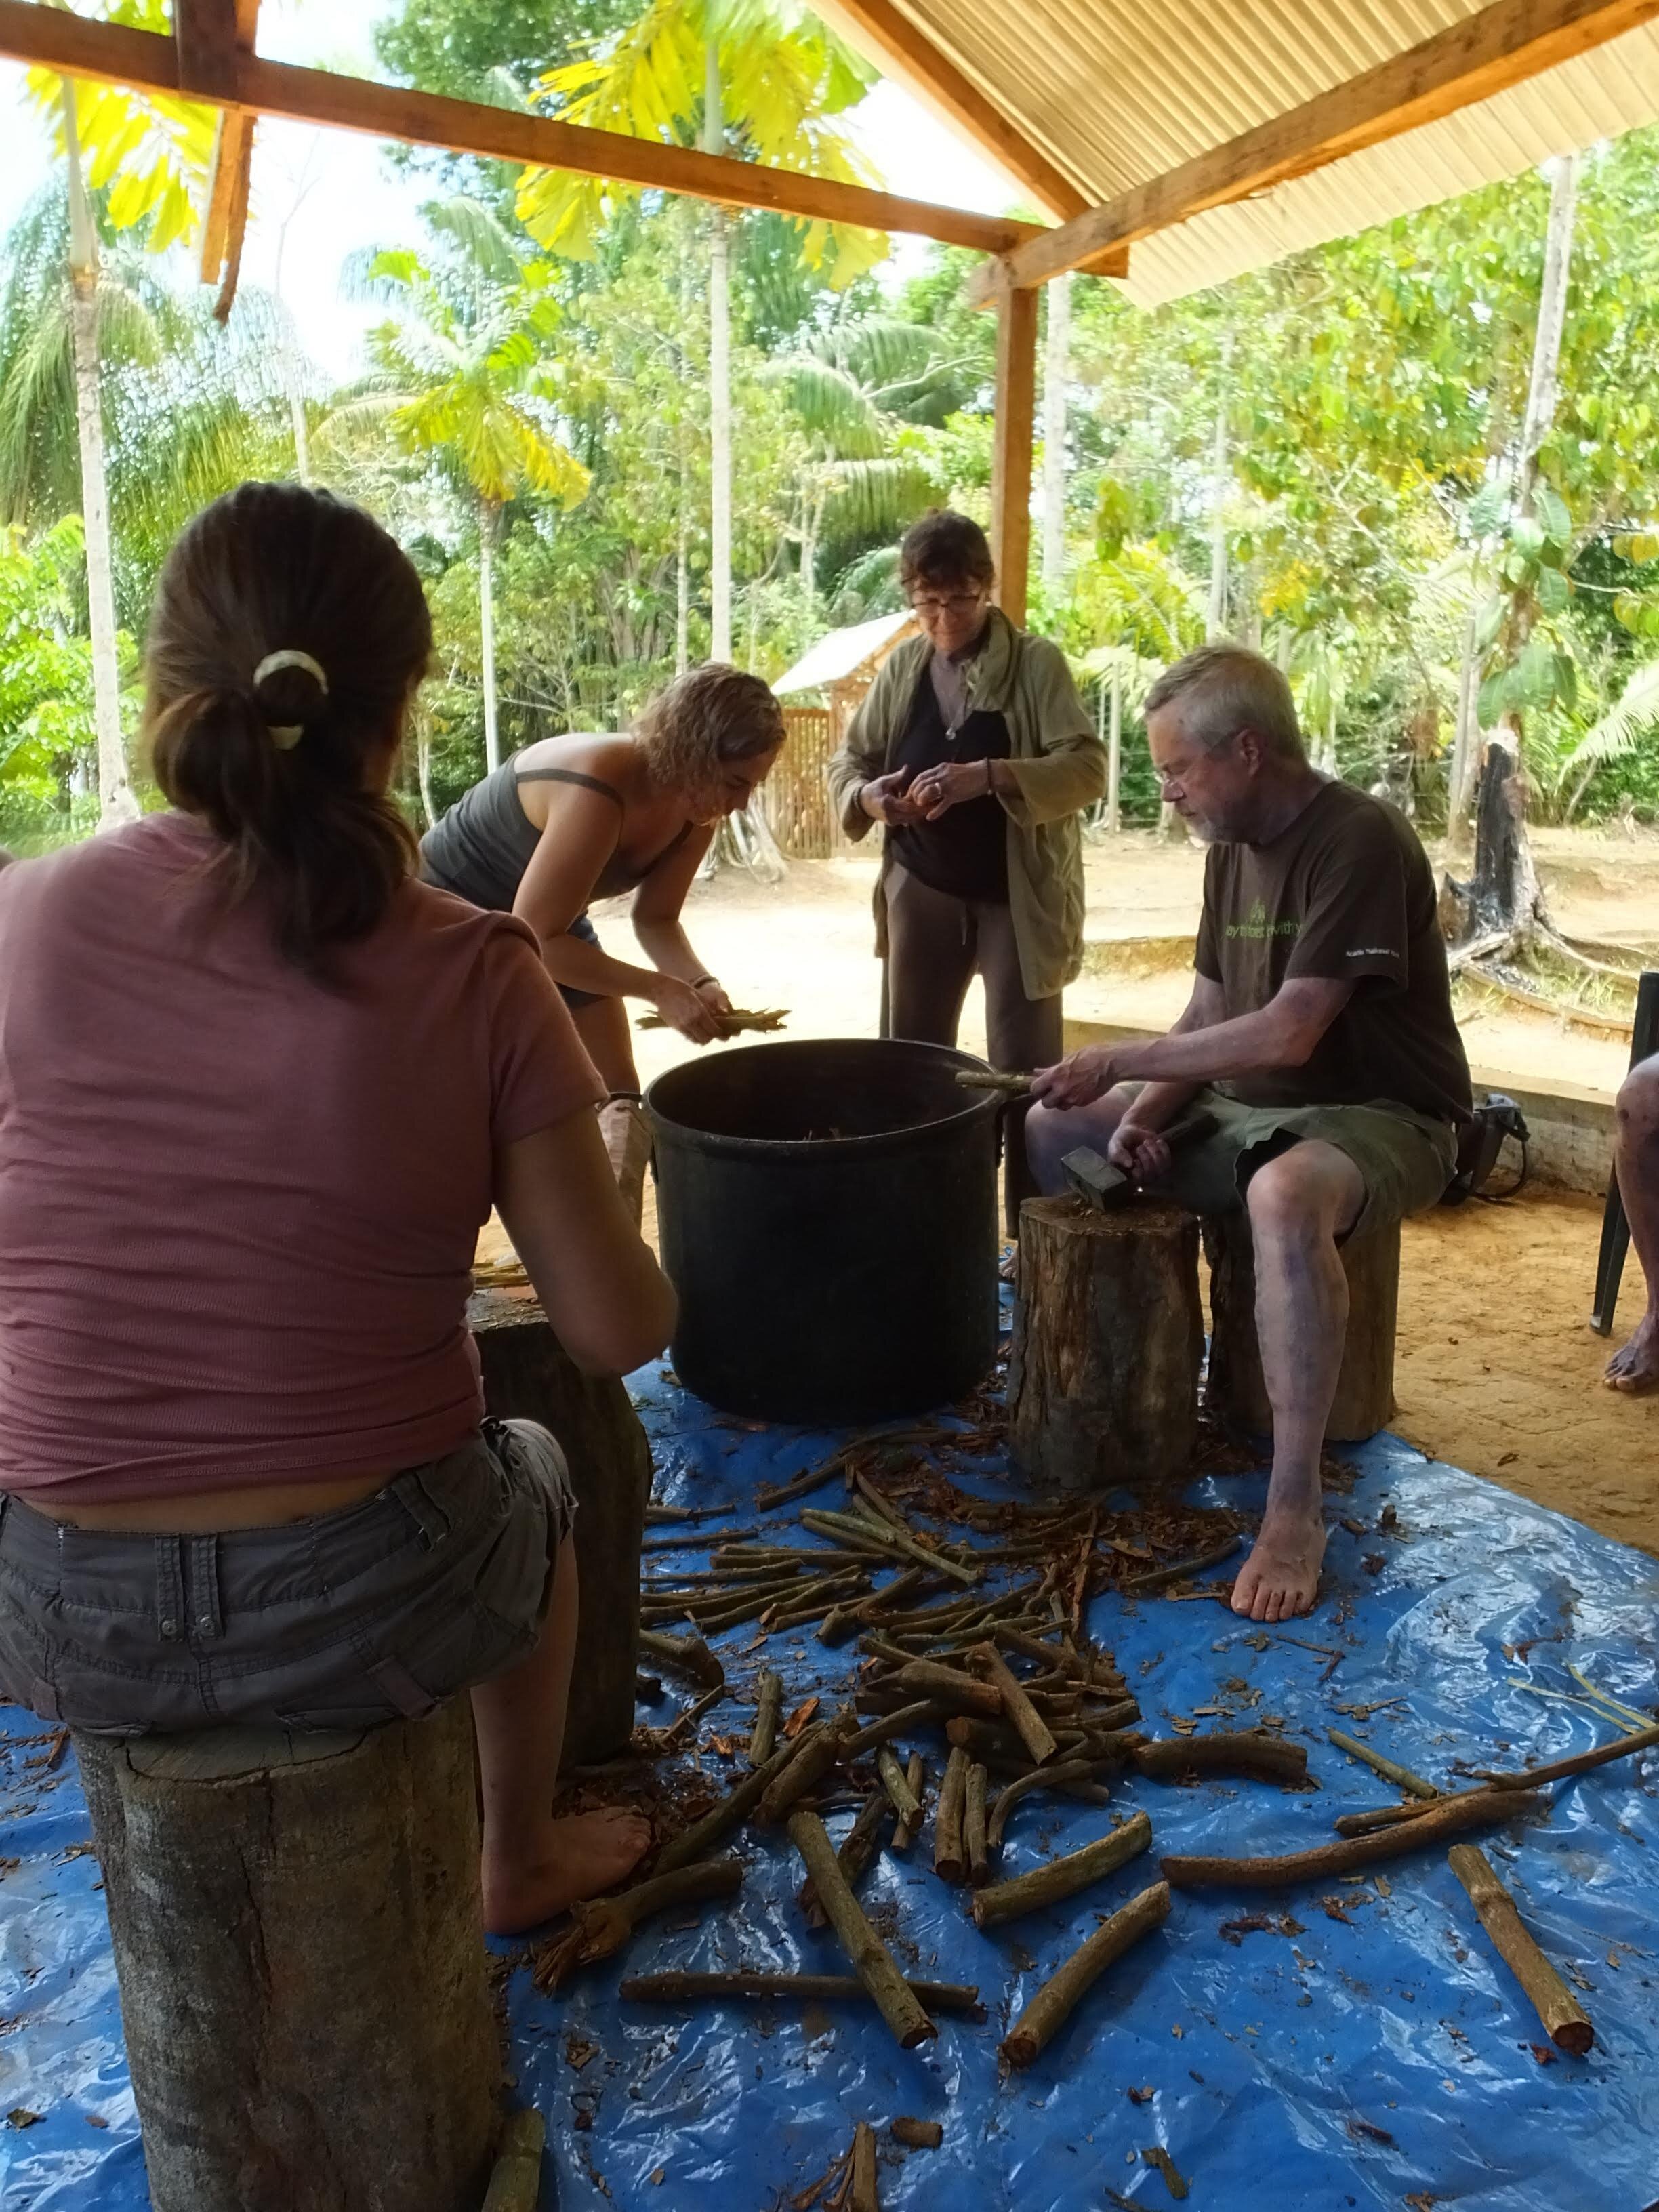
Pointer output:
1346, 892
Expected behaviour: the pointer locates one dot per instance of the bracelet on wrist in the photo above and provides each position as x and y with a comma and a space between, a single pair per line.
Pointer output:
701, 980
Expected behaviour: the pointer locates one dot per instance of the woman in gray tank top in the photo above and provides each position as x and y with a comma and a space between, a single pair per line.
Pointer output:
576, 818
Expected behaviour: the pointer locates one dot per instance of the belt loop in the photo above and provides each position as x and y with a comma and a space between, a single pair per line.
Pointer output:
169, 1588
205, 1617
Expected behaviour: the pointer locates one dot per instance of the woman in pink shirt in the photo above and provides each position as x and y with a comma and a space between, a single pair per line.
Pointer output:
258, 1090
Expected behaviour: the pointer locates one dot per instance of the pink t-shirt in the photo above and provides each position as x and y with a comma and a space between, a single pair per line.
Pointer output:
238, 1210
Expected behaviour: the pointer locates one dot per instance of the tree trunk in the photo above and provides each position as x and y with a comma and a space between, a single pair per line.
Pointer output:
1056, 376
683, 535
529, 1375
1460, 783
1551, 322
1506, 897
1215, 612
1114, 757
423, 769
300, 1948
489, 520
116, 802
1235, 1392
719, 380
1102, 1383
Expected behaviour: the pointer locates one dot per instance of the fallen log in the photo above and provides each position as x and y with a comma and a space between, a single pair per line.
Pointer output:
1052, 1776
864, 2196
1062, 1878
921, 1712
948, 1861
898, 1790
960, 1694
1257, 1757
1580, 1762
1448, 1816
1565, 2019
916, 1776
515, 2179
769, 1712
1051, 2007
1177, 1571
871, 1960
917, 2135
760, 1985
816, 1749
688, 1654
736, 1807
1403, 1777
972, 1828
1016, 1708
599, 1928
858, 1848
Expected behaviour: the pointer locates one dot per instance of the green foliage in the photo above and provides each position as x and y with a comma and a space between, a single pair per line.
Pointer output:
46, 686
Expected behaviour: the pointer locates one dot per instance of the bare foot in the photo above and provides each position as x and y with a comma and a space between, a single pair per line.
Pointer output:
1280, 1578
1008, 1271
576, 1857
1636, 1368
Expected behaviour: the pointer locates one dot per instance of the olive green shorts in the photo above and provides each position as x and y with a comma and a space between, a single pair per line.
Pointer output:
1405, 1159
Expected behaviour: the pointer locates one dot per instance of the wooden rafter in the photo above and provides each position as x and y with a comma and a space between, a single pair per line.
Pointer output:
1487, 53
75, 45
905, 53
211, 35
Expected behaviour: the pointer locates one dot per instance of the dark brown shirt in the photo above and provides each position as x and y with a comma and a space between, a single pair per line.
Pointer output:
1346, 893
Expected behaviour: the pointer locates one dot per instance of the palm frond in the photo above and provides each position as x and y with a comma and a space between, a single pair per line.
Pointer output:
1623, 725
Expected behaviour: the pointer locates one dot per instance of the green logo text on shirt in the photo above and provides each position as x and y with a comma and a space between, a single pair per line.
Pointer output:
1256, 924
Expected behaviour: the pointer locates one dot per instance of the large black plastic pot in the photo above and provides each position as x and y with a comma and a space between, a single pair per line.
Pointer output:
828, 1216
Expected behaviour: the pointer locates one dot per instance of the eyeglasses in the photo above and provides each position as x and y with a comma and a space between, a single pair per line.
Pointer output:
953, 603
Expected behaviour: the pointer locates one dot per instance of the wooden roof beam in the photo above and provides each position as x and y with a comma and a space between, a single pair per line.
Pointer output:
211, 35
902, 50
1487, 53
77, 46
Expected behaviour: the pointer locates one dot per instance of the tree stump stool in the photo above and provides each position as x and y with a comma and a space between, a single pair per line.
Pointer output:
529, 1375
1109, 1337
1235, 1392
299, 1941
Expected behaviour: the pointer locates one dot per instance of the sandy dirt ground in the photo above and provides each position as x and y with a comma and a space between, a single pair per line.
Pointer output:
1497, 1370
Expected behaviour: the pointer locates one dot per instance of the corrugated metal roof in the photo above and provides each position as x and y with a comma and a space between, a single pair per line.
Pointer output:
842, 653
1117, 91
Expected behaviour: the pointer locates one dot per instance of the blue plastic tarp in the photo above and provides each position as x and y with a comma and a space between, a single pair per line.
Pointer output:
1366, 2047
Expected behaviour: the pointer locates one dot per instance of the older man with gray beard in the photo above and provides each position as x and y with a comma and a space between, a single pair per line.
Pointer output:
1319, 1034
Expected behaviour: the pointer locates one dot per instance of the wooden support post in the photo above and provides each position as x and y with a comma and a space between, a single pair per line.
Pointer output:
300, 1947
1235, 1392
1102, 1384
529, 1375
211, 40
1014, 436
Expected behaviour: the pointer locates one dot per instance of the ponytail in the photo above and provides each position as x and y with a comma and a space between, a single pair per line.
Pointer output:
288, 636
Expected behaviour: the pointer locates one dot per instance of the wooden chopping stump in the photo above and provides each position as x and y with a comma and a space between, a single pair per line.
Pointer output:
299, 1941
529, 1375
1235, 1392
1102, 1382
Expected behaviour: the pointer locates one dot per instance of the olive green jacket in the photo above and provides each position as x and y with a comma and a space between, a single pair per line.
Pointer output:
1059, 769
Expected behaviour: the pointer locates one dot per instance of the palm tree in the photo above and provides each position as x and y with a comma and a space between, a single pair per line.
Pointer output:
142, 155
856, 388
760, 77
463, 378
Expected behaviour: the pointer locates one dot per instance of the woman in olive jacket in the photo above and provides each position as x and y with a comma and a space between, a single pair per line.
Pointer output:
974, 753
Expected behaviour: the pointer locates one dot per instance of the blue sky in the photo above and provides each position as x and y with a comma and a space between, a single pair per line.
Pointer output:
320, 195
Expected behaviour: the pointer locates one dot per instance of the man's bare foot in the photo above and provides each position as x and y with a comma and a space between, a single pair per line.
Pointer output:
1636, 1367
579, 1856
1280, 1578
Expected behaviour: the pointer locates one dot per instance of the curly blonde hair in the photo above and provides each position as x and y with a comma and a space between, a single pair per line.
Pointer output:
704, 721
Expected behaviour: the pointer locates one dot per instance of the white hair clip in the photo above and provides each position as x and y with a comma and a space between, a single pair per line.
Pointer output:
286, 735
